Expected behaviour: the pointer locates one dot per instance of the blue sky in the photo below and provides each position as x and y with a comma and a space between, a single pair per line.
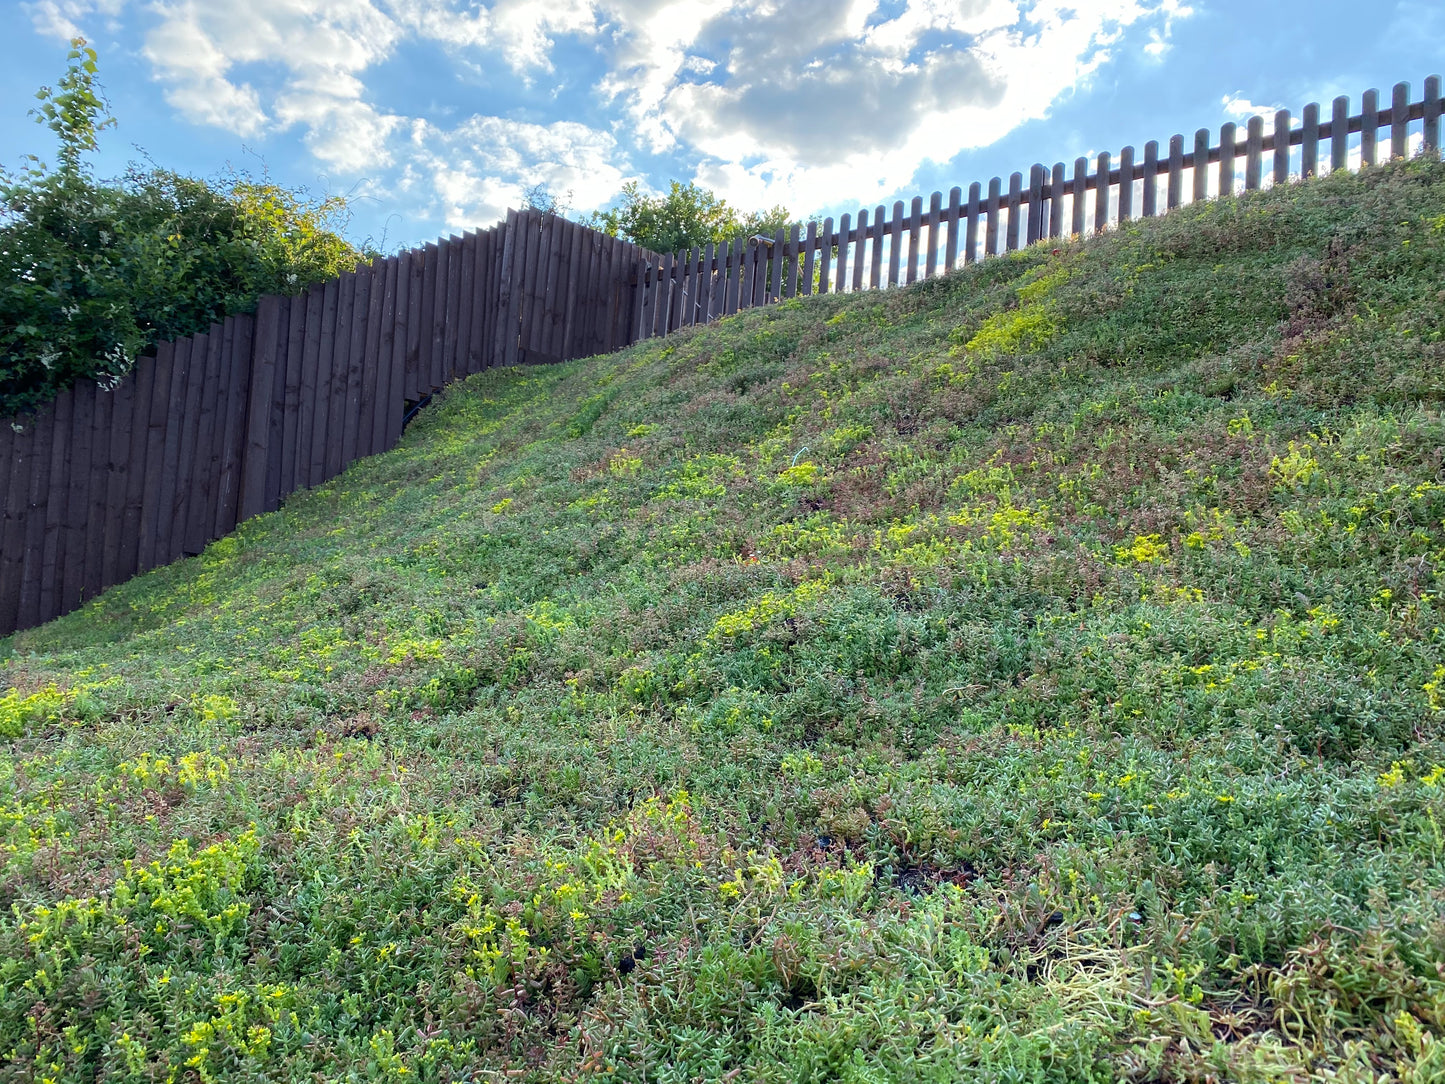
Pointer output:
436, 115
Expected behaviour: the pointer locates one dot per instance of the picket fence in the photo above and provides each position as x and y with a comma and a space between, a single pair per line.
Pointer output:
107, 481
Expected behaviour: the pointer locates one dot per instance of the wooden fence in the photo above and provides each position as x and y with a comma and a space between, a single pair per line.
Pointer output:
109, 481
880, 250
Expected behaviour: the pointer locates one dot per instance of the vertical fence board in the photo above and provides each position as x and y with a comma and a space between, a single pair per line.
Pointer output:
1432, 114
935, 224
386, 394
840, 269
100, 469
1035, 216
1056, 201
356, 363
466, 291
201, 514
707, 284
155, 455
1199, 165
276, 422
680, 295
1149, 195
1015, 200
58, 487
811, 258
240, 335
1310, 141
1369, 127
1126, 185
548, 268
686, 303
296, 321
395, 408
778, 252
1079, 209
1254, 154
374, 415
127, 562
790, 261
16, 451
71, 556
321, 412
170, 469
1281, 146
1340, 134
415, 324
576, 257
482, 289
1399, 121
1226, 159
880, 226
315, 389
8, 435
37, 499
860, 237
370, 359
117, 484
187, 472
451, 315
433, 307
531, 276
340, 371
970, 240
915, 238
1176, 171
505, 351
1101, 193
258, 407
955, 207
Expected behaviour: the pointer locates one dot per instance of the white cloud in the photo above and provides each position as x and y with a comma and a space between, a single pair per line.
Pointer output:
485, 165
817, 102
65, 19
1241, 108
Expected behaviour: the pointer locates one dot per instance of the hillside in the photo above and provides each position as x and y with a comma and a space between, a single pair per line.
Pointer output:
1034, 674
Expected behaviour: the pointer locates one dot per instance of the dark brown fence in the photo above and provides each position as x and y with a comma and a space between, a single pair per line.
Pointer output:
106, 482
877, 250
109, 481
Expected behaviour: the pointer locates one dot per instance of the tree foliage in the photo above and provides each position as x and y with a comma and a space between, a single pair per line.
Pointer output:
94, 273
686, 215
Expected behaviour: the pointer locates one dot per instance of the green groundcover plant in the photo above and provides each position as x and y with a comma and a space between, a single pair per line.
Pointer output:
1033, 674
92, 273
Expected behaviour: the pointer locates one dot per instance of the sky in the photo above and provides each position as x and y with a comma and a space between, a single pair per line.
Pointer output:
435, 116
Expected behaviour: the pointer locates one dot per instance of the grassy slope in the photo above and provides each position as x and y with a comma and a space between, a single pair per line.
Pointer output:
1032, 673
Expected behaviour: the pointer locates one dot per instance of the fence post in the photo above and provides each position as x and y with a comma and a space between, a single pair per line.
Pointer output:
1281, 147
1254, 154
1399, 121
1432, 114
1101, 192
1081, 181
1151, 179
1126, 185
1200, 165
1309, 156
1340, 134
1369, 127
1227, 141
1176, 171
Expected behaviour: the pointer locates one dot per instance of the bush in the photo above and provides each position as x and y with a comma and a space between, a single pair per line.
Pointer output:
93, 274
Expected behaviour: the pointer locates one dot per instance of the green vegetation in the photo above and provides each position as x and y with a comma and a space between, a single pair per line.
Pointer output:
1031, 675
686, 216
93, 273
